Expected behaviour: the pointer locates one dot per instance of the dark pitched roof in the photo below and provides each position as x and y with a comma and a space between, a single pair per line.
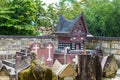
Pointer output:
64, 25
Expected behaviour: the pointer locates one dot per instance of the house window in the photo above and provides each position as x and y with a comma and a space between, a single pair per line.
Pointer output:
73, 46
63, 45
79, 46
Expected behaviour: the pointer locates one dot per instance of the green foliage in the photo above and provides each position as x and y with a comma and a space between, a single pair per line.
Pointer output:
25, 16
16, 18
40, 13
102, 16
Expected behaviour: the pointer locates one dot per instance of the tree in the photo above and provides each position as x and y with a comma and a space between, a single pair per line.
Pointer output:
40, 13
55, 10
18, 19
102, 17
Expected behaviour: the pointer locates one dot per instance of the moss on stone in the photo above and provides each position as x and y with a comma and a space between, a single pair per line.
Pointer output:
36, 71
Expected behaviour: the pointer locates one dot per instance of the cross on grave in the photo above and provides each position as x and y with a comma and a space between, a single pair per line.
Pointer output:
49, 52
35, 48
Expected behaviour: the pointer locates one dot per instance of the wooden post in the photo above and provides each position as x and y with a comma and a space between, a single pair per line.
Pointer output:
87, 68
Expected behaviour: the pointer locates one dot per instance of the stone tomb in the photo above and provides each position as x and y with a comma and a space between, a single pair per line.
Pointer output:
65, 71
44, 53
90, 68
109, 66
4, 75
35, 71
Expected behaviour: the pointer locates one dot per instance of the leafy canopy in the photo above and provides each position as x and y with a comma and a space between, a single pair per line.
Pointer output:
16, 17
24, 17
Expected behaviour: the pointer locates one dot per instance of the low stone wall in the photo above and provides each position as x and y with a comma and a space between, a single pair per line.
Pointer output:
109, 45
12, 44
9, 45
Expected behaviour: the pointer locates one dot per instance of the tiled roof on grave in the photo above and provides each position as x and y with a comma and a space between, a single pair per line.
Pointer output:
64, 26
63, 70
22, 64
7, 66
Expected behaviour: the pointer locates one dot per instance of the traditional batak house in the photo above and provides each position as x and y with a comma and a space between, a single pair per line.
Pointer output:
71, 33
71, 36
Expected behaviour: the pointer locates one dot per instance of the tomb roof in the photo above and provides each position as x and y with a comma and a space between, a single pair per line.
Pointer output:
65, 26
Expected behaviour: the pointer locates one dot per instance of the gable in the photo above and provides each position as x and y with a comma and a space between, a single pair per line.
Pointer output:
66, 70
80, 28
4, 74
64, 25
68, 27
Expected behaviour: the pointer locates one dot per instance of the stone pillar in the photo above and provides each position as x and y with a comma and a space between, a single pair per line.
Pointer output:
87, 68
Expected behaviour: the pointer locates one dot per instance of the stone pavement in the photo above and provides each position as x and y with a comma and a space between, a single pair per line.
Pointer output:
116, 78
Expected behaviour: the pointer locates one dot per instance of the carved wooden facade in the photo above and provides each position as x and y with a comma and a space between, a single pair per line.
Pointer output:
71, 33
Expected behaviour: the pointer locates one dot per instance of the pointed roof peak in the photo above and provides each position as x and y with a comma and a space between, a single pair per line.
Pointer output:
65, 26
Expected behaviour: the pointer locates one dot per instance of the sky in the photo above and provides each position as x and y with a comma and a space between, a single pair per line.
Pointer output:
50, 1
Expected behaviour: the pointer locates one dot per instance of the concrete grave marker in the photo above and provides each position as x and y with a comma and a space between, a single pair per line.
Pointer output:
49, 52
4, 75
36, 47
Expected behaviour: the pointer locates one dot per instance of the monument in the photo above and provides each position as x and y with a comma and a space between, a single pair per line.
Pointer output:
4, 74
35, 71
